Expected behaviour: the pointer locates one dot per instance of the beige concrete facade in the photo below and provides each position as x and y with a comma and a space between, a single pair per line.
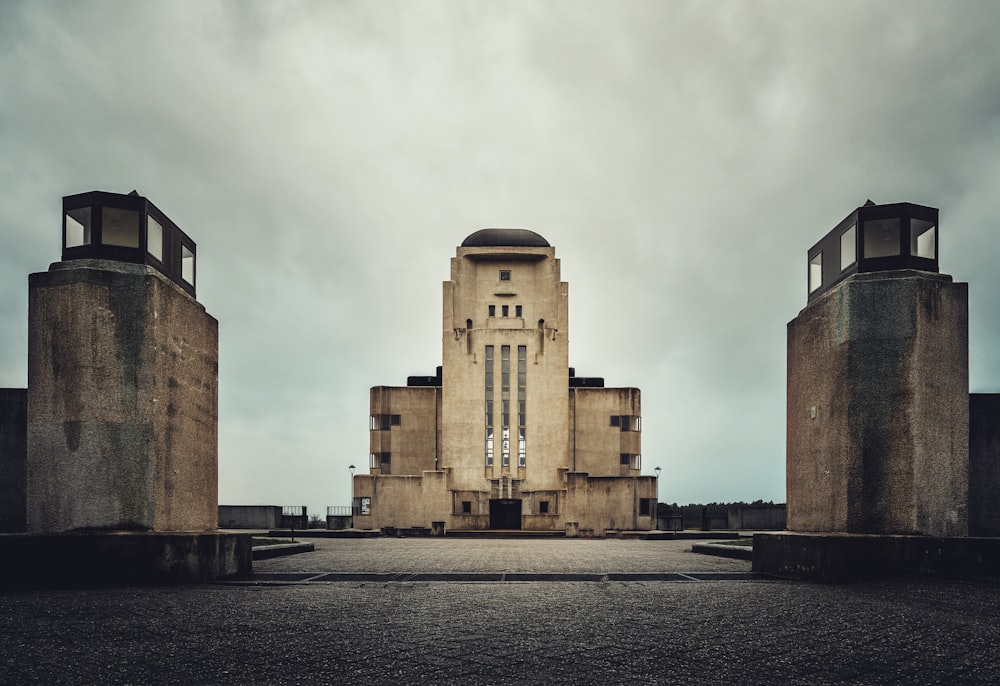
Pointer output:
504, 437
122, 401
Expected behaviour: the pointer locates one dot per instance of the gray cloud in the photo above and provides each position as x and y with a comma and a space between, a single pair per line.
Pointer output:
328, 158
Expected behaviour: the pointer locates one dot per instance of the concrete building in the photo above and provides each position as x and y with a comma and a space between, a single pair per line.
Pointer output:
878, 384
122, 400
504, 435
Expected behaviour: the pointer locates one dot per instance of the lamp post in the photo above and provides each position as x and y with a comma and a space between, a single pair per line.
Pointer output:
656, 507
350, 493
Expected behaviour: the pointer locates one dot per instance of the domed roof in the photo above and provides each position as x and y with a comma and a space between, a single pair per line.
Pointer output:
521, 238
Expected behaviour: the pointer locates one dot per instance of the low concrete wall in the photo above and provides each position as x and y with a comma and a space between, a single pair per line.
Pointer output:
249, 516
838, 558
13, 459
102, 558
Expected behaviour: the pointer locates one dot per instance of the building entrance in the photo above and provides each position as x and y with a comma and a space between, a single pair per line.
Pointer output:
505, 514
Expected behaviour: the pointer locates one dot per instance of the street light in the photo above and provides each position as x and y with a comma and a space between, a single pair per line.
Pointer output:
657, 507
350, 493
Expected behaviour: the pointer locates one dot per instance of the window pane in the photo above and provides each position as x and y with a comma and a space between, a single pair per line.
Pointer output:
154, 238
120, 227
187, 265
881, 238
848, 247
923, 239
78, 227
815, 272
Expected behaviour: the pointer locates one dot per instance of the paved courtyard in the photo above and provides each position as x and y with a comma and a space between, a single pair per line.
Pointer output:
690, 632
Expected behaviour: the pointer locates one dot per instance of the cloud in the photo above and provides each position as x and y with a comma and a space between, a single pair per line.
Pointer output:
329, 157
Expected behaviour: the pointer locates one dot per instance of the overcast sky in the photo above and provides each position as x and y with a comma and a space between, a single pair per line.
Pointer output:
328, 157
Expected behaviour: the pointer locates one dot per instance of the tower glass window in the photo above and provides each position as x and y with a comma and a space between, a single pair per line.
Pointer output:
848, 247
78, 227
816, 272
923, 239
881, 237
187, 264
154, 238
120, 227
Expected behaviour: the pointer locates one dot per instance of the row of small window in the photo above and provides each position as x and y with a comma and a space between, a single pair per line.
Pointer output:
626, 422
631, 461
121, 228
881, 239
382, 422
505, 311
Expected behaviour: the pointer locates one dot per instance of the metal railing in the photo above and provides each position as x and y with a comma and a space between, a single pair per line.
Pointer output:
339, 511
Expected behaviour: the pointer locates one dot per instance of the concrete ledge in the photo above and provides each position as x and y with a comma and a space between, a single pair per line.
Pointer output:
266, 552
739, 552
839, 558
118, 557
324, 533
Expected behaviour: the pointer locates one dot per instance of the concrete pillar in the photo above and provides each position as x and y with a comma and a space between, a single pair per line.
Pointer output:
122, 401
878, 407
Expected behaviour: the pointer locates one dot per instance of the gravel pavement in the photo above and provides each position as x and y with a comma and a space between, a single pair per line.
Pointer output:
742, 631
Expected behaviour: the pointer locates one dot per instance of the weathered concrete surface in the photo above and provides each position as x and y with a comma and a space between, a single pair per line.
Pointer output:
878, 409
984, 464
85, 559
122, 401
717, 632
838, 558
13, 458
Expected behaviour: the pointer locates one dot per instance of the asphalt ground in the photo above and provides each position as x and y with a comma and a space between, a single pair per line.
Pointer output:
275, 629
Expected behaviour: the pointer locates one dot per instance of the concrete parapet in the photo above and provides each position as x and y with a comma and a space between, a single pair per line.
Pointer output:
838, 558
101, 558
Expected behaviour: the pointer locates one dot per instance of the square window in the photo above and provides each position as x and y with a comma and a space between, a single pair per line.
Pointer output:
543, 507
120, 227
616, 420
505, 275
881, 238
466, 507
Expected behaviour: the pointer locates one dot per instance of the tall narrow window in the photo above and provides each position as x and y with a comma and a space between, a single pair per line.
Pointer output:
522, 357
848, 247
816, 272
505, 310
154, 238
493, 312
517, 310
923, 239
489, 405
187, 264
78, 227
505, 405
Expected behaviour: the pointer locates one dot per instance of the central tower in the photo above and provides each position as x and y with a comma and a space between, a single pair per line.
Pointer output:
505, 364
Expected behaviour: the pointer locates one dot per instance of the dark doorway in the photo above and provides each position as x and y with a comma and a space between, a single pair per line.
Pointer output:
505, 514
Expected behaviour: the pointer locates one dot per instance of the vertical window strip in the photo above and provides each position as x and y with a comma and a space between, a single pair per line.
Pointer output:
505, 405
489, 405
522, 357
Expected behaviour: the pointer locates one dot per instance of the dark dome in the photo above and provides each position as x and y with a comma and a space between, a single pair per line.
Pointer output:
521, 238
